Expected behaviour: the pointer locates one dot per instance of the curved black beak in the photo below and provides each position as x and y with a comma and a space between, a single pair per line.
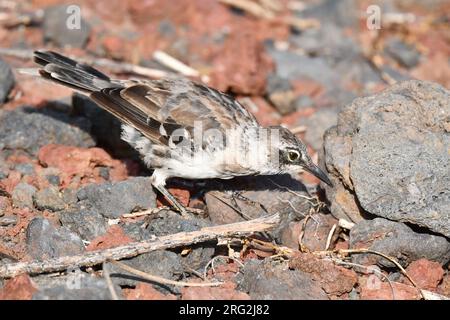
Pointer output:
319, 173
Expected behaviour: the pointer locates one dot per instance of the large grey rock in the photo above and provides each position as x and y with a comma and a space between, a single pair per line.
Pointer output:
29, 130
44, 241
6, 80
398, 241
272, 280
114, 199
390, 152
61, 28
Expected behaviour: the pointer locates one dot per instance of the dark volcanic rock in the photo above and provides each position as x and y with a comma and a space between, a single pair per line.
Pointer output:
88, 223
76, 285
44, 241
390, 152
398, 241
30, 130
22, 195
64, 26
403, 53
161, 263
49, 199
6, 80
114, 199
169, 223
272, 280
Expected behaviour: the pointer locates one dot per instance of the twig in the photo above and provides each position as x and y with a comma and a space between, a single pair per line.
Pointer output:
109, 283
174, 64
298, 129
162, 280
251, 7
114, 66
330, 236
145, 212
133, 249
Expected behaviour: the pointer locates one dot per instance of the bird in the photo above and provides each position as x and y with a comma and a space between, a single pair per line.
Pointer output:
184, 129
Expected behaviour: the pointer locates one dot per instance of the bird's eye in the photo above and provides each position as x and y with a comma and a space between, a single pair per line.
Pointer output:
293, 156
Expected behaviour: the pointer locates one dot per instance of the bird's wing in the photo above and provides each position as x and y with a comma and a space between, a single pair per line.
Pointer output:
154, 107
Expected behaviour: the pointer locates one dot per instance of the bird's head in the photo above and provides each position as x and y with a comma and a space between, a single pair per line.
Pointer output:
293, 156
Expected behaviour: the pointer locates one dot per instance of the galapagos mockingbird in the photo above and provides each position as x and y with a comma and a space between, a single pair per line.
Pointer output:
184, 129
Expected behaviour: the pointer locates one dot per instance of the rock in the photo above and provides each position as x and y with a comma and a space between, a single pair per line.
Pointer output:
22, 195
5, 204
114, 237
63, 28
390, 152
280, 94
444, 287
170, 223
292, 66
44, 241
317, 124
18, 288
426, 274
246, 75
398, 241
6, 80
383, 291
76, 285
271, 280
405, 54
160, 263
81, 163
273, 193
315, 233
7, 221
145, 291
339, 13
49, 199
334, 280
25, 168
114, 199
88, 223
30, 130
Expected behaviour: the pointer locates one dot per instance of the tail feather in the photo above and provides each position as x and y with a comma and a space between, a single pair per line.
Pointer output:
69, 72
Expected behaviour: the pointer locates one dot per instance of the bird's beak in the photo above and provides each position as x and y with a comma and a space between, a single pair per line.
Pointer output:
319, 173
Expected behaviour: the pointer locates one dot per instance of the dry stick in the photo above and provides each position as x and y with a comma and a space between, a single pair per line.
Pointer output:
260, 12
109, 282
133, 249
114, 66
330, 236
162, 280
144, 212
174, 64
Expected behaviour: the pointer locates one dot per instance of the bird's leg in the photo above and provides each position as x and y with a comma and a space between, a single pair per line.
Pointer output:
238, 195
172, 200
159, 182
